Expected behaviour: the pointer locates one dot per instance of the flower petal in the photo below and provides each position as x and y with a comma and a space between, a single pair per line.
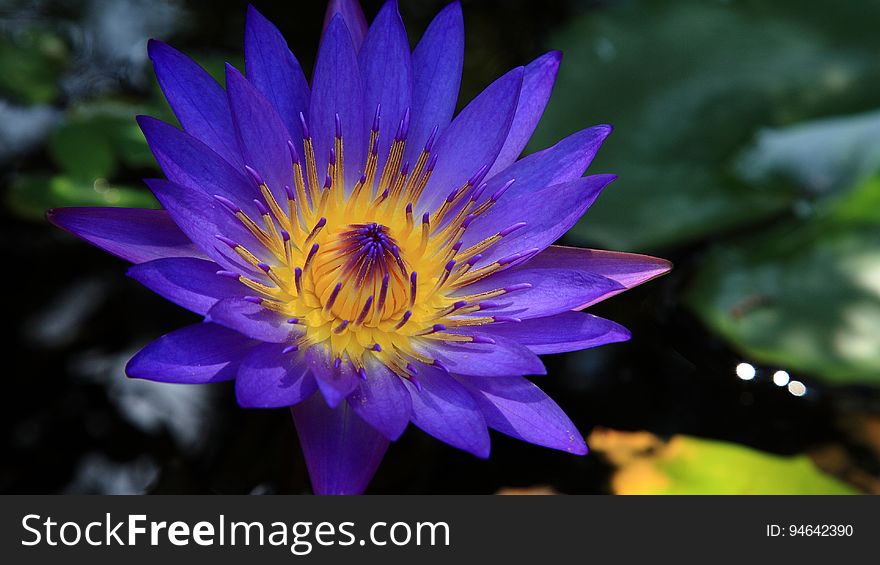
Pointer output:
275, 71
627, 269
201, 353
198, 101
569, 331
202, 219
337, 89
188, 162
473, 139
537, 85
503, 358
383, 401
516, 407
553, 290
443, 408
270, 378
262, 136
342, 451
547, 213
188, 282
132, 234
351, 13
252, 320
386, 68
437, 61
336, 381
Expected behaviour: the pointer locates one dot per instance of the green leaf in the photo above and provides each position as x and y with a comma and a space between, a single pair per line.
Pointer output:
32, 61
805, 298
687, 84
689, 465
31, 195
82, 151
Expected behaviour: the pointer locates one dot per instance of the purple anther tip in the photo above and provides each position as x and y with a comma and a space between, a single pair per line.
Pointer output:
293, 321
439, 328
227, 241
264, 267
363, 179
511, 258
406, 315
337, 363
487, 305
305, 126
483, 339
502, 190
457, 245
409, 208
338, 127
377, 347
328, 182
376, 117
429, 145
473, 260
362, 374
426, 218
255, 176
460, 304
450, 265
332, 157
228, 274
413, 277
468, 220
294, 154
290, 349
253, 299
289, 192
284, 235
341, 327
226, 203
261, 208
440, 365
503, 319
509, 230
404, 170
518, 286
432, 162
416, 383
477, 176
321, 223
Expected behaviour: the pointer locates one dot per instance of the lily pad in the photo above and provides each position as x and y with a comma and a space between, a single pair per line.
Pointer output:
688, 84
690, 465
803, 297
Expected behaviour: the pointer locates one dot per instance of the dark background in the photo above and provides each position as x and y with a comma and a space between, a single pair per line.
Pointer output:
772, 226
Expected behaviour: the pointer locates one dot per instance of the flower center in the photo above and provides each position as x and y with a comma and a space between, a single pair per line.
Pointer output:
355, 270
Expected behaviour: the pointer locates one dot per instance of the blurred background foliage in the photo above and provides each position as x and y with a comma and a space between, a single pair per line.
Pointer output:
747, 144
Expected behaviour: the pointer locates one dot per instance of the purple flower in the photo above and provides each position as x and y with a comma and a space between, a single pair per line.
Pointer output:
358, 254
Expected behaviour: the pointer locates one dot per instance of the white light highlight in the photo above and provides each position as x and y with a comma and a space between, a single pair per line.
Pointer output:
745, 371
797, 388
781, 378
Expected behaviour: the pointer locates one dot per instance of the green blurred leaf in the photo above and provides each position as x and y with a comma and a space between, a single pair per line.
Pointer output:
689, 465
32, 61
806, 298
82, 151
687, 84
31, 195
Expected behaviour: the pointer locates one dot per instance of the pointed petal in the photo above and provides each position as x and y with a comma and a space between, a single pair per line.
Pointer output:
472, 141
342, 451
444, 409
627, 269
202, 219
337, 89
351, 13
201, 353
503, 358
383, 401
553, 290
188, 162
262, 137
275, 71
198, 101
516, 407
437, 62
386, 69
253, 320
569, 331
132, 234
270, 378
547, 213
188, 282
537, 85
335, 382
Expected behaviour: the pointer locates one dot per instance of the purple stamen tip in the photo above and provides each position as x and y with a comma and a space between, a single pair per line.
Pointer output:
518, 286
342, 327
413, 276
440, 365
337, 363
502, 190
459, 304
261, 208
226, 203
305, 127
488, 305
290, 349
473, 260
479, 192
328, 182
409, 208
503, 319
362, 374
429, 145
457, 246
228, 274
321, 223
332, 157
477, 176
255, 176
403, 130
412, 369
338, 127
438, 328
294, 154
404, 170
227, 241
467, 221
289, 192
450, 265
415, 383
483, 339
509, 230
376, 117
293, 321
253, 299
264, 267
426, 218
363, 179
377, 347
284, 235
432, 162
